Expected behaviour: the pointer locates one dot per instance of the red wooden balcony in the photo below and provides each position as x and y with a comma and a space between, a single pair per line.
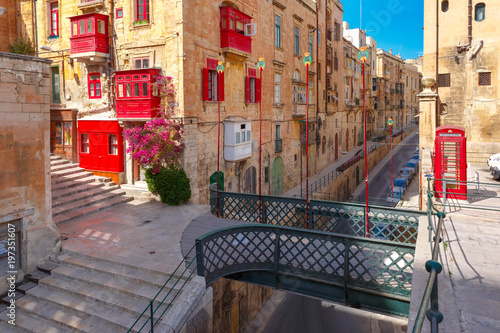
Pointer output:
136, 95
89, 37
232, 30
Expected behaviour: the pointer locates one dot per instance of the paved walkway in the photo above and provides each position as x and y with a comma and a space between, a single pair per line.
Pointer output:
143, 234
469, 285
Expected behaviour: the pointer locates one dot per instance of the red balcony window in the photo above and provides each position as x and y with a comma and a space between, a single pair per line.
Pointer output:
94, 85
211, 86
136, 94
54, 19
89, 37
232, 29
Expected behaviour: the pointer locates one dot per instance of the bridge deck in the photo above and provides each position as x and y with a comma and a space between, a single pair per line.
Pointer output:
200, 226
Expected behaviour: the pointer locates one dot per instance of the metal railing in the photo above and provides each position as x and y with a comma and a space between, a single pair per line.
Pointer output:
476, 193
398, 225
162, 305
434, 268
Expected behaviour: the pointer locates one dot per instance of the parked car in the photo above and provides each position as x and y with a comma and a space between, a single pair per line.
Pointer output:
412, 164
408, 170
416, 157
395, 196
401, 182
493, 158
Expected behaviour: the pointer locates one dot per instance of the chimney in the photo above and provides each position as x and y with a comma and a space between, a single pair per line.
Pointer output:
390, 51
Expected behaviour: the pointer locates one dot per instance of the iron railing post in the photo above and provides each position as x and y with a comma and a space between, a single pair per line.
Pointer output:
199, 257
151, 316
276, 255
346, 269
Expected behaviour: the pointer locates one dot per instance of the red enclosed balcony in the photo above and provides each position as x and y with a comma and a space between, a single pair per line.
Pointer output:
136, 95
233, 24
89, 38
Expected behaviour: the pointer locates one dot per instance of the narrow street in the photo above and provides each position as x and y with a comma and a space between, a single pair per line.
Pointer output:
379, 185
297, 314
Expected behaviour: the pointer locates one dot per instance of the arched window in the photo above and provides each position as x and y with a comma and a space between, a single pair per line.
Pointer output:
445, 5
480, 12
296, 75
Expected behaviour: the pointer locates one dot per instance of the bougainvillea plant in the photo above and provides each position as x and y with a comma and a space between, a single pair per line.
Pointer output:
158, 144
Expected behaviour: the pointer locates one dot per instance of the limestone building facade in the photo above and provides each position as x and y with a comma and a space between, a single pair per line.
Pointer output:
466, 70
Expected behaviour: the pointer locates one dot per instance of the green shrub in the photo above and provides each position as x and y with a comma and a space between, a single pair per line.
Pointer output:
21, 46
171, 184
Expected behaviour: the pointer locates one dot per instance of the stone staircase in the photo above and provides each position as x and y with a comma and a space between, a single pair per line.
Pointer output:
78, 293
76, 192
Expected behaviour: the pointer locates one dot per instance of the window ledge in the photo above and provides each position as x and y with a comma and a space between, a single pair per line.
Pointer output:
279, 48
279, 105
139, 25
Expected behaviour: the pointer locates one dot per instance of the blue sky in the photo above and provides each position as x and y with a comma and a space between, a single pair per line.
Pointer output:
394, 23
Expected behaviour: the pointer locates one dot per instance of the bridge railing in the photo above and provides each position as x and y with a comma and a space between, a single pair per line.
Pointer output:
164, 298
386, 223
354, 264
434, 268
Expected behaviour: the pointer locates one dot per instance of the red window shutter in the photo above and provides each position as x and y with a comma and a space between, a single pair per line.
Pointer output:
247, 86
205, 84
221, 86
258, 91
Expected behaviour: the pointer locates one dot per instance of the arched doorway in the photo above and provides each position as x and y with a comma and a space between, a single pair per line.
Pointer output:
250, 181
277, 176
347, 139
336, 146
213, 180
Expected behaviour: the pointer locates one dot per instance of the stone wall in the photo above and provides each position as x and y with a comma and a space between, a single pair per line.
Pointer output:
25, 192
235, 304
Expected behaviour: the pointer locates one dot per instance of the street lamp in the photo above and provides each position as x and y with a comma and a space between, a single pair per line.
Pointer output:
390, 123
307, 62
261, 64
363, 56
220, 71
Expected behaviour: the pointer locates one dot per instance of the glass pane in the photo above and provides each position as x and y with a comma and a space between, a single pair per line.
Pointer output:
101, 27
120, 90
248, 135
59, 133
231, 24
137, 63
141, 12
98, 90
90, 26
144, 89
141, 2
237, 137
67, 134
224, 23
82, 27
136, 77
74, 29
94, 77
91, 86
113, 139
243, 136
129, 90
239, 26
113, 150
55, 5
136, 90
145, 63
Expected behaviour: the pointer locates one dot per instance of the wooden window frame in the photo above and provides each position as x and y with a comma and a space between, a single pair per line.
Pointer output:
119, 13
277, 34
142, 62
297, 41
95, 90
112, 145
146, 10
253, 87
54, 32
212, 89
84, 143
62, 142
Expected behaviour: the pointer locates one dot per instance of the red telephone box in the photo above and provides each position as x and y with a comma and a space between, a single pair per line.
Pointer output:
450, 162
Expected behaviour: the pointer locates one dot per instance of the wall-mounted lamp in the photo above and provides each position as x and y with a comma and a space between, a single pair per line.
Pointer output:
2, 10
45, 48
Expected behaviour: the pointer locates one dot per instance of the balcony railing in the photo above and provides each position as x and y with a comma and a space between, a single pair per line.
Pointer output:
299, 110
237, 41
278, 146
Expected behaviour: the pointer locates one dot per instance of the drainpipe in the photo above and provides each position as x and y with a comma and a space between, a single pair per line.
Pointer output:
470, 23
35, 31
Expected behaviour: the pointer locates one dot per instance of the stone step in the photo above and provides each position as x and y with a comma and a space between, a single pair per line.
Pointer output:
86, 293
63, 166
117, 285
58, 316
84, 202
94, 311
117, 261
66, 172
58, 162
55, 157
75, 213
133, 275
89, 193
71, 177
27, 323
74, 183
67, 191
